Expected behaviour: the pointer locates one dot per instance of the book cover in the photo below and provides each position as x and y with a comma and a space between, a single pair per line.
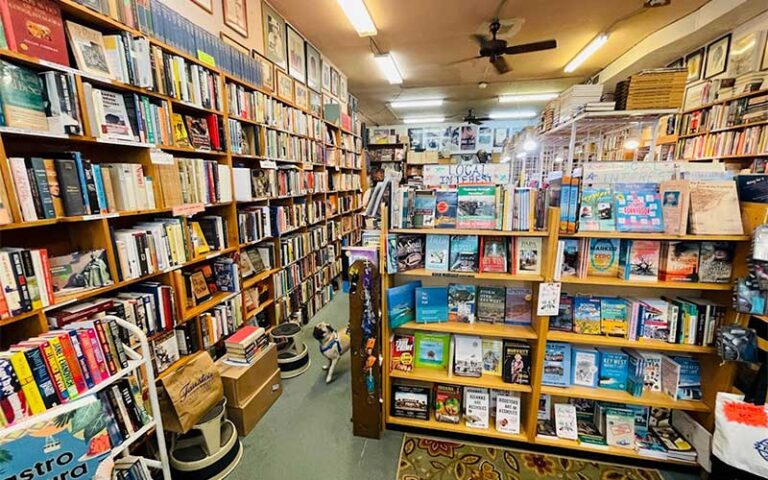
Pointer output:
436, 258
79, 271
653, 319
508, 407
651, 371
716, 262
518, 306
88, 48
468, 356
675, 198
689, 385
490, 304
401, 353
603, 260
639, 260
410, 401
614, 316
446, 204
476, 407
613, 368
113, 120
569, 267
493, 254
563, 322
464, 253
447, 403
565, 421
199, 135
557, 364
638, 207
671, 439
410, 252
636, 373
586, 365
461, 303
679, 261
35, 28
528, 256
620, 429
432, 350
586, 315
712, 207
401, 304
493, 356
517, 363
21, 98
424, 209
431, 304
596, 210
476, 207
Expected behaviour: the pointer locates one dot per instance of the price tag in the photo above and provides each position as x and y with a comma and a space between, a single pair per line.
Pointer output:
188, 209
206, 58
159, 157
549, 299
269, 164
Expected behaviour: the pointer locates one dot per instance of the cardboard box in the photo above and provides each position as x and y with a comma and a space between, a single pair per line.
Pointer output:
240, 383
247, 416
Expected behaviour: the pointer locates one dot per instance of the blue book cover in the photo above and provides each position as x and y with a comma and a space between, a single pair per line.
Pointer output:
586, 366
557, 364
689, 387
81, 176
565, 192
401, 304
446, 202
573, 204
431, 304
638, 207
100, 193
613, 368
596, 210
586, 315
635, 373
424, 209
436, 258
465, 256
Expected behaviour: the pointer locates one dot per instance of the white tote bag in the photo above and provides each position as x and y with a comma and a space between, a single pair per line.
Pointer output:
741, 434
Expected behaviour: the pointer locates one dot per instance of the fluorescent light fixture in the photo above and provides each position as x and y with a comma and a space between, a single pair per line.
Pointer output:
417, 103
512, 115
530, 145
558, 159
424, 120
358, 16
520, 155
388, 67
593, 46
527, 97
632, 144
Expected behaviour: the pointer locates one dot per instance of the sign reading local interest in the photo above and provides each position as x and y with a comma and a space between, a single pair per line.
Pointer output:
495, 173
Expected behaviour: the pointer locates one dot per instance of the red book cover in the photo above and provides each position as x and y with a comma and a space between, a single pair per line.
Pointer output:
108, 357
35, 28
71, 359
81, 360
4, 311
243, 334
90, 356
101, 359
493, 255
168, 306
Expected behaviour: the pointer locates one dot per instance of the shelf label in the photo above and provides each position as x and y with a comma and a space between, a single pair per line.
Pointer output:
188, 209
549, 299
268, 164
159, 157
206, 58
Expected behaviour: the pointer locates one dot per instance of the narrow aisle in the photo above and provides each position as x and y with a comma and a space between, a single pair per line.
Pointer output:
307, 434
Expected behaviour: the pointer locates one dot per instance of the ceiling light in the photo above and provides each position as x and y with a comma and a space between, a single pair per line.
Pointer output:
521, 155
512, 115
632, 144
358, 16
388, 66
417, 103
593, 46
528, 97
530, 145
424, 120
558, 159
482, 85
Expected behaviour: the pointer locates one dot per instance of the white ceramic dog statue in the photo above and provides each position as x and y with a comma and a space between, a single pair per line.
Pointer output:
333, 345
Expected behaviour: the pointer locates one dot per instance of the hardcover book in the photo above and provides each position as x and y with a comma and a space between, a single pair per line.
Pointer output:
490, 304
88, 48
638, 207
199, 136
528, 256
613, 368
557, 364
569, 267
464, 253
35, 28
424, 209
431, 304
437, 253
446, 203
448, 403
563, 322
586, 365
493, 356
596, 211
476, 207
21, 98
675, 198
689, 381
468, 356
518, 306
713, 204
603, 260
401, 304
586, 315
410, 401
410, 252
493, 256
476, 407
508, 409
432, 350
639, 260
517, 363
614, 316
461, 303
565, 421
401, 358
679, 261
716, 262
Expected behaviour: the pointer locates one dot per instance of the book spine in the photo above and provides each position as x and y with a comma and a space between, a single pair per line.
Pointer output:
90, 187
35, 192
55, 369
9, 285
108, 357
33, 283
122, 411
42, 377
89, 356
114, 340
113, 429
67, 375
27, 382
44, 191
21, 280
98, 352
83, 183
130, 404
81, 360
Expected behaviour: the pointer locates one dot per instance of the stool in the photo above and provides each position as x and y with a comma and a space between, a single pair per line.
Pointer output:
292, 357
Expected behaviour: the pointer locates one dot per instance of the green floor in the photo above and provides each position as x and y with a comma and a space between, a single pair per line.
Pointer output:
308, 433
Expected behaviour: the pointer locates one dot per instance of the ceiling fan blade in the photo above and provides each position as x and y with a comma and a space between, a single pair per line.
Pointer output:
500, 64
530, 47
481, 40
498, 9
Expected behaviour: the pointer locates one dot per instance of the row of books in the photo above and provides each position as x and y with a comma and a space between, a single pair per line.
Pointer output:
221, 321
452, 404
201, 133
207, 233
646, 260
150, 247
254, 224
316, 211
299, 245
194, 180
462, 355
243, 138
742, 111
246, 343
202, 282
256, 259
294, 275
630, 370
749, 141
284, 146
682, 320
286, 218
132, 468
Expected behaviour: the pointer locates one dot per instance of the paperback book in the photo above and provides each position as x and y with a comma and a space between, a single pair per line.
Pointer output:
437, 253
490, 304
446, 202
586, 315
638, 207
518, 306
468, 356
410, 401
508, 409
620, 429
401, 355
679, 261
569, 267
639, 260
613, 368
614, 315
493, 356
464, 253
461, 303
517, 363
410, 252
476, 407
716, 262
603, 260
432, 350
448, 403
596, 212
586, 365
424, 209
557, 364
528, 256
477, 207
563, 322
431, 304
565, 421
493, 254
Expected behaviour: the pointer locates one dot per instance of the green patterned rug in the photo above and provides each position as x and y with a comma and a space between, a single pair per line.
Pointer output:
424, 458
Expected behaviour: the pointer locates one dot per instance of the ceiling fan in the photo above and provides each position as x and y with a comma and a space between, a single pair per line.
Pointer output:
495, 49
473, 119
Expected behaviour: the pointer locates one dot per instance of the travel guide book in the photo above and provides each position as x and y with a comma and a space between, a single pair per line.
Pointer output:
596, 211
638, 207
639, 260
446, 202
477, 207
461, 303
436, 258
464, 253
432, 349
401, 304
490, 304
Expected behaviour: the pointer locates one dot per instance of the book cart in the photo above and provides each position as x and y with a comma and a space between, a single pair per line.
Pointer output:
341, 154
717, 377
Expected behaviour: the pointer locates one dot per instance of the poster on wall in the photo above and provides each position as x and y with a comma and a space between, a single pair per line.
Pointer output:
459, 174
468, 137
383, 136
314, 65
450, 139
499, 136
297, 61
273, 26
432, 138
485, 138
334, 82
416, 138
235, 16
342, 88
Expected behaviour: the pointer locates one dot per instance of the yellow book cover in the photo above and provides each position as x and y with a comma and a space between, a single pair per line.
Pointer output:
197, 238
180, 136
27, 381
66, 373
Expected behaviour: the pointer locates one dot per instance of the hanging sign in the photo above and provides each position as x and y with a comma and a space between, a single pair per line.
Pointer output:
458, 174
188, 209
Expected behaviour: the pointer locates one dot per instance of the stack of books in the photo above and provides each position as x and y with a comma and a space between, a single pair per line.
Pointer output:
246, 343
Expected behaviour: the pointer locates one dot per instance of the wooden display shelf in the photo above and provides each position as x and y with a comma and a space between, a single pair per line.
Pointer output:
434, 375
178, 149
259, 277
461, 428
82, 218
621, 452
422, 272
726, 100
174, 366
605, 341
743, 156
658, 236
259, 309
654, 399
724, 129
617, 282
457, 231
477, 328
216, 299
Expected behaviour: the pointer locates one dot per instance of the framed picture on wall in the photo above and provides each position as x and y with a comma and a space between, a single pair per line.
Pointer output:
301, 95
297, 61
745, 54
284, 86
717, 56
314, 66
234, 43
334, 82
236, 16
315, 103
206, 5
267, 72
680, 62
343, 88
273, 27
694, 62
326, 76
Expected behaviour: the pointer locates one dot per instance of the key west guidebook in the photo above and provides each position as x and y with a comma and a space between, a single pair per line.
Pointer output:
68, 446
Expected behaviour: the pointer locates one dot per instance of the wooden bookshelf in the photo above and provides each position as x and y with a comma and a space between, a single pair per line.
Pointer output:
455, 231
658, 236
608, 450
443, 377
476, 328
459, 428
654, 399
619, 342
423, 272
617, 282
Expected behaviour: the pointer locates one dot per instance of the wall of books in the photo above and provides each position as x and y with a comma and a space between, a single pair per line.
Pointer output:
153, 172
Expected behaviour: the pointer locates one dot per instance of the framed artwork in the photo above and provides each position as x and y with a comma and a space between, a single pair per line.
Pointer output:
267, 72
745, 54
236, 16
234, 43
500, 135
694, 62
764, 61
717, 56
315, 103
334, 82
301, 95
297, 61
273, 26
206, 5
329, 100
326, 76
314, 66
284, 86
343, 88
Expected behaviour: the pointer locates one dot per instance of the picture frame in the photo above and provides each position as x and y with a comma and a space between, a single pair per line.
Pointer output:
326, 74
678, 63
334, 82
764, 61
236, 16
284, 86
301, 95
717, 56
314, 69
316, 104
234, 43
744, 54
206, 5
297, 61
267, 72
273, 29
694, 62
343, 88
